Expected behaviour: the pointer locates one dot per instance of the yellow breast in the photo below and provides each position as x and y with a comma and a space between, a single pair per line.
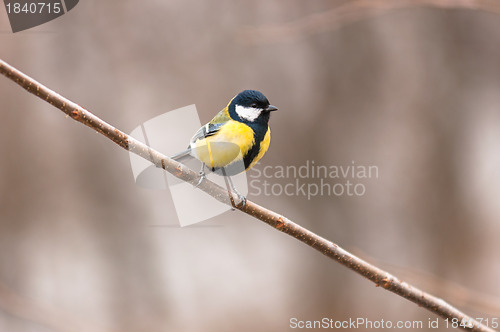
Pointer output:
228, 145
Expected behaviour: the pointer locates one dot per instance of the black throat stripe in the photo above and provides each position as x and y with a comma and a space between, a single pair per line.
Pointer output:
259, 134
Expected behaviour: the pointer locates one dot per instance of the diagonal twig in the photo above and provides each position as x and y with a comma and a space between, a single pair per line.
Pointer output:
273, 219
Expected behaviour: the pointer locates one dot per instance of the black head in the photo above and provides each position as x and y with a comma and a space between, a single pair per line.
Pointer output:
251, 106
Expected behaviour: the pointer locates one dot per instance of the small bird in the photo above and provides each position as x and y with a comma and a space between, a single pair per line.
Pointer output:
235, 139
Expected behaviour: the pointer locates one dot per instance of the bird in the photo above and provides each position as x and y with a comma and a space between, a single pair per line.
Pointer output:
235, 139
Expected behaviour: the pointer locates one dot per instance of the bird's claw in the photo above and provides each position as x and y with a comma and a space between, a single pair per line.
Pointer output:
242, 200
202, 177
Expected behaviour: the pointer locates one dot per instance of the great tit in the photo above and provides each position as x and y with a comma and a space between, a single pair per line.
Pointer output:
235, 139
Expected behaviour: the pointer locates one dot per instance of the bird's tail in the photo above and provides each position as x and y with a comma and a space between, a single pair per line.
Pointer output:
182, 155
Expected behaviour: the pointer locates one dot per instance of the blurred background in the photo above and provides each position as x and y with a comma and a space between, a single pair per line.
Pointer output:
413, 91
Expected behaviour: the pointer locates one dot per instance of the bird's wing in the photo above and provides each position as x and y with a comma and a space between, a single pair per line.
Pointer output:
212, 127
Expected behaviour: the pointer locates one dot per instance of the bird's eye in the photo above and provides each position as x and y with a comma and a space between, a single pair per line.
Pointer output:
254, 105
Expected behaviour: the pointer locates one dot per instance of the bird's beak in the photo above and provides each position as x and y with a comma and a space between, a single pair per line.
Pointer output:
271, 108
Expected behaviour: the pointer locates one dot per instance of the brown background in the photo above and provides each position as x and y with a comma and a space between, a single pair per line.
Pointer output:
414, 91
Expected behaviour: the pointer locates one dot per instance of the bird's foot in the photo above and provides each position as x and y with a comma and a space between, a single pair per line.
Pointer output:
242, 200
202, 177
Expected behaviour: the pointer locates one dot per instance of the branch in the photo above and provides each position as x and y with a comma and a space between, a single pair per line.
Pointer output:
350, 12
273, 219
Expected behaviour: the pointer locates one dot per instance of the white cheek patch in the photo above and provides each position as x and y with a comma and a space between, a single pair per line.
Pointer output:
248, 113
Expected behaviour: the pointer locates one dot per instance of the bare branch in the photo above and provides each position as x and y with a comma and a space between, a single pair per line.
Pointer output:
275, 220
350, 12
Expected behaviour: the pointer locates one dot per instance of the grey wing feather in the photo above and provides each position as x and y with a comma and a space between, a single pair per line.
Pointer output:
207, 130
